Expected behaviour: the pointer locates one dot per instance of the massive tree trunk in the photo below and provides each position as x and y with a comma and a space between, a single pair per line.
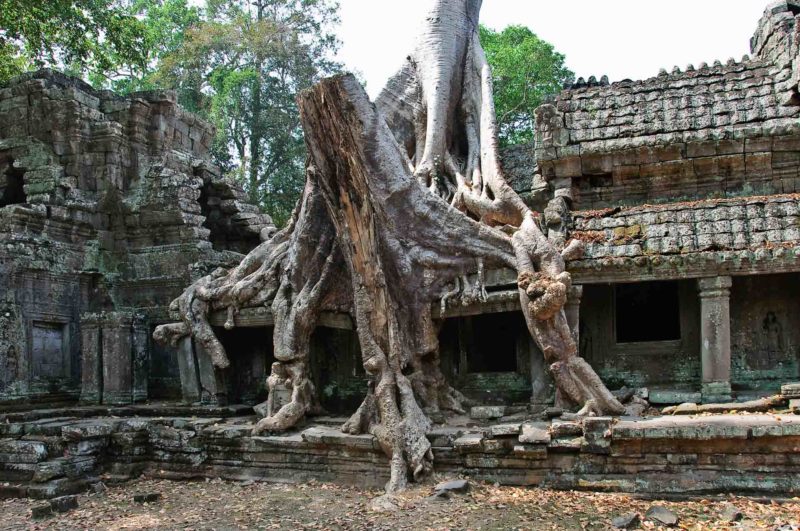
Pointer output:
404, 199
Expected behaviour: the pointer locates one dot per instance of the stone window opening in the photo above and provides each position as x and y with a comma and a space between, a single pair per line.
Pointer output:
647, 312
12, 186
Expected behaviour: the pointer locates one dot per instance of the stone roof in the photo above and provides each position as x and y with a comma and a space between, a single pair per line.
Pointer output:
684, 105
691, 237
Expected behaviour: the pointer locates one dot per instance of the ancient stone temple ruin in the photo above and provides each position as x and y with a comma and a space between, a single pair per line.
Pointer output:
683, 188
682, 192
108, 208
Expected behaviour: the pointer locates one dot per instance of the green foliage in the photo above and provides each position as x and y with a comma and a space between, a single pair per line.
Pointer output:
242, 68
161, 26
525, 70
76, 35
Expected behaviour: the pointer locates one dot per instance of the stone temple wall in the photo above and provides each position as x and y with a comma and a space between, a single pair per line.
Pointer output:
105, 204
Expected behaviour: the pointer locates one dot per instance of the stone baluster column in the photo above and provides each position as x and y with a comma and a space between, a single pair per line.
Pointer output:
715, 338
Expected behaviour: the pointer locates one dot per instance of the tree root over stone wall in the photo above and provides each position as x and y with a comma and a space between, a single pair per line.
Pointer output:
403, 198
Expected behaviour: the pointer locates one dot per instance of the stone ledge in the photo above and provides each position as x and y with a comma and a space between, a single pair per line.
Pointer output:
722, 453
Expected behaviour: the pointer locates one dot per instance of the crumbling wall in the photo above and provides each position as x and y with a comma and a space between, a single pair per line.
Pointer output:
109, 219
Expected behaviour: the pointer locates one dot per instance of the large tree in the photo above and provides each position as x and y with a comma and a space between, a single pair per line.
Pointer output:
250, 58
82, 35
403, 198
525, 70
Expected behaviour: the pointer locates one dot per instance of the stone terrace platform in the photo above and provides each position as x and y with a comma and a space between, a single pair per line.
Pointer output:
44, 454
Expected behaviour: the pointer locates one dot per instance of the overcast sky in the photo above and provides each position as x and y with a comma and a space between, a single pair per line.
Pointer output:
619, 38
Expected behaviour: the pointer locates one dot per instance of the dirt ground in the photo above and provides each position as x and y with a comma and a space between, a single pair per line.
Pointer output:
229, 505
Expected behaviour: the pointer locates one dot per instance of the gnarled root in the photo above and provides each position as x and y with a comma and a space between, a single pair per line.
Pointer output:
286, 378
580, 383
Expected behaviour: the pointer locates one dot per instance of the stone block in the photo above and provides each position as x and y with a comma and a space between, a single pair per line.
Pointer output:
469, 443
530, 451
16, 451
791, 390
64, 504
504, 430
88, 430
673, 396
597, 435
565, 428
567, 444
333, 436
487, 412
535, 433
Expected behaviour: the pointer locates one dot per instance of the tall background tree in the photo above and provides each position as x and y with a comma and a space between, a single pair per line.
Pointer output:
250, 59
525, 70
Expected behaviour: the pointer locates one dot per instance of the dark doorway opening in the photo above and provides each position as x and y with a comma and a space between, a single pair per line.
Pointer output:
492, 345
12, 190
337, 370
251, 355
647, 311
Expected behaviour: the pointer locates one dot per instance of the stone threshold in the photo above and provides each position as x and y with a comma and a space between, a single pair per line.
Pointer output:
64, 454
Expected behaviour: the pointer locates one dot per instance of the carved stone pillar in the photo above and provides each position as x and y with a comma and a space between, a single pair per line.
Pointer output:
187, 367
213, 388
715, 338
117, 358
91, 360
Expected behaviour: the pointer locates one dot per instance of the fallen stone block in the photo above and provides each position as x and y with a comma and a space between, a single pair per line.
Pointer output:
64, 504
626, 521
487, 412
456, 485
730, 514
149, 497
535, 433
442, 436
41, 511
553, 412
662, 515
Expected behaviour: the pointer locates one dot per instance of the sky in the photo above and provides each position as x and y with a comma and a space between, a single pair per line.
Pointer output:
619, 38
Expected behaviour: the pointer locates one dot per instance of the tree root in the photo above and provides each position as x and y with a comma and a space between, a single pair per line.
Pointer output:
762, 405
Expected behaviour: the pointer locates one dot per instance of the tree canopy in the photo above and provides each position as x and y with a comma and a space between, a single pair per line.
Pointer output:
525, 70
79, 35
249, 60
